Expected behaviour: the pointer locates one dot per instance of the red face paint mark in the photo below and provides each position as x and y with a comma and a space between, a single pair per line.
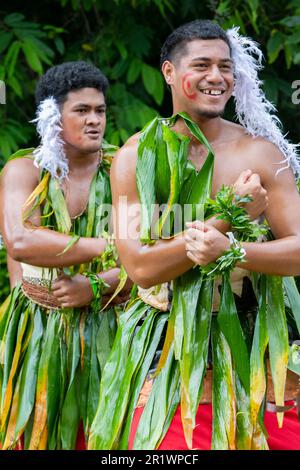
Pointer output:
186, 86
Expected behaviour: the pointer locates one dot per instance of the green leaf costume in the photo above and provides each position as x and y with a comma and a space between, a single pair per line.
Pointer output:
164, 175
52, 358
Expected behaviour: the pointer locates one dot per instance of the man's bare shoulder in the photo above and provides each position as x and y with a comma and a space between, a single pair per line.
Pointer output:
125, 159
21, 167
129, 149
250, 145
265, 158
262, 151
258, 153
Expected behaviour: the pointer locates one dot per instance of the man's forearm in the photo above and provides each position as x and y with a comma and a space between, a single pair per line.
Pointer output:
111, 277
278, 257
163, 261
43, 247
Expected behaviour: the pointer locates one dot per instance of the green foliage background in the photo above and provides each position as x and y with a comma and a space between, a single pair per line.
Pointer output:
123, 38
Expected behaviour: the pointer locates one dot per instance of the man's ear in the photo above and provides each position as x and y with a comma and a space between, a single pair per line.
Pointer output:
167, 69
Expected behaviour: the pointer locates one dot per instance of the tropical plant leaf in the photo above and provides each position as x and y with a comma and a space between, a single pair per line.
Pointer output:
194, 357
70, 413
29, 375
91, 207
54, 390
230, 326
258, 381
39, 426
156, 412
59, 206
278, 339
223, 399
115, 381
106, 335
9, 341
243, 416
10, 440
293, 295
9, 390
145, 177
36, 198
172, 148
141, 376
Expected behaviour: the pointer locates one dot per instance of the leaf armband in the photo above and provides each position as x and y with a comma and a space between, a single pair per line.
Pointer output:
109, 257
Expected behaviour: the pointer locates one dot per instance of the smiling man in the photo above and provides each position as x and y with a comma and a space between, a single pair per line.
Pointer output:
196, 343
54, 201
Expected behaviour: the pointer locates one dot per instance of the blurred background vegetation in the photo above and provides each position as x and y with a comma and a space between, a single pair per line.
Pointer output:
123, 38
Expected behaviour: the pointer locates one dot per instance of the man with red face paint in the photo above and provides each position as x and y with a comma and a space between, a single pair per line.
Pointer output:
204, 66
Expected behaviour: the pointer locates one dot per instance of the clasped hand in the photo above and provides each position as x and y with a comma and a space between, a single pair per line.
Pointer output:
204, 243
71, 292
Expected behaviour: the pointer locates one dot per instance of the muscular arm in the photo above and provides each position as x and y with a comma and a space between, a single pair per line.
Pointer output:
37, 246
281, 256
145, 265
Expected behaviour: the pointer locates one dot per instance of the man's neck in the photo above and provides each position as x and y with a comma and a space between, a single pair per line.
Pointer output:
211, 128
80, 161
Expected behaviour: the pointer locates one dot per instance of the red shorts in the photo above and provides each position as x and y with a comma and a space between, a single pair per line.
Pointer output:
286, 438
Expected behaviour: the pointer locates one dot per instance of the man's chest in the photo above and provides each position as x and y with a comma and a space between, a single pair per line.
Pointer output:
228, 165
76, 193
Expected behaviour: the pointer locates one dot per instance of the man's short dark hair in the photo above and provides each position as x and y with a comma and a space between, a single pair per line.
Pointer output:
176, 42
69, 76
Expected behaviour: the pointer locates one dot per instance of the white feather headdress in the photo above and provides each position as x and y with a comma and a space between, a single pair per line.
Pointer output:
50, 155
253, 109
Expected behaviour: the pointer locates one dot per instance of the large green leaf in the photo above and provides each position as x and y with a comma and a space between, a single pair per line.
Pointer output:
39, 426
141, 376
293, 298
243, 417
107, 422
94, 379
194, 357
85, 329
278, 339
14, 340
70, 413
91, 207
258, 381
29, 374
230, 326
59, 206
223, 399
145, 178
151, 425
9, 341
54, 389
172, 145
